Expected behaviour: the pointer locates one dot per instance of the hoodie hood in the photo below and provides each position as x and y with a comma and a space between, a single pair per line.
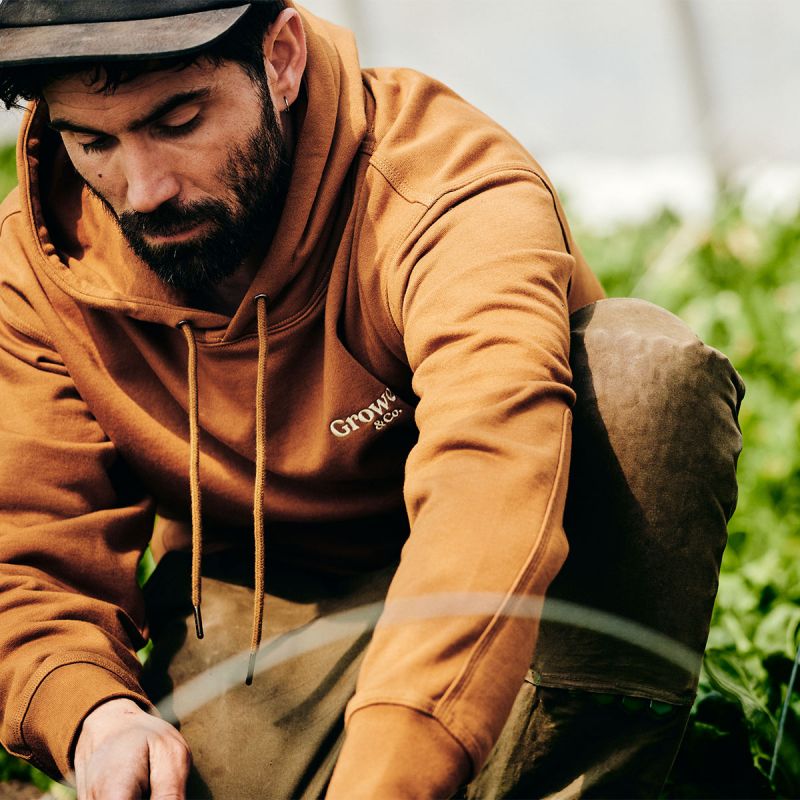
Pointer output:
80, 247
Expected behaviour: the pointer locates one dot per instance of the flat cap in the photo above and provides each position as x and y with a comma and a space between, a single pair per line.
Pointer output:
48, 31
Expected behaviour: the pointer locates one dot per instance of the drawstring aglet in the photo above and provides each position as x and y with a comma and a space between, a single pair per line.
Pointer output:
198, 622
251, 668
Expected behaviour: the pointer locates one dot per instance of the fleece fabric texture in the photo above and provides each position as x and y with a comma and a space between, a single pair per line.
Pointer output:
418, 406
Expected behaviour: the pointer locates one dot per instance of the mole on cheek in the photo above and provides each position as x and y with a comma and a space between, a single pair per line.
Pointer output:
99, 174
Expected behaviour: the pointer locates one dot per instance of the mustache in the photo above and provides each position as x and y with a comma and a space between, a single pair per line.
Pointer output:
171, 218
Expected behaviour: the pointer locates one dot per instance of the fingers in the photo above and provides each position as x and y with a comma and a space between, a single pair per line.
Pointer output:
108, 777
170, 761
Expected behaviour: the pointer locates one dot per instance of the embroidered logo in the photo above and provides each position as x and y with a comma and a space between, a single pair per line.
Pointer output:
378, 414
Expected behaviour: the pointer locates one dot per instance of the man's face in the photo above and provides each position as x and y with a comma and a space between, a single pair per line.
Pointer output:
190, 162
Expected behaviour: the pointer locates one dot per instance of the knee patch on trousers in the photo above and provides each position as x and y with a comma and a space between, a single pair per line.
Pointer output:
652, 485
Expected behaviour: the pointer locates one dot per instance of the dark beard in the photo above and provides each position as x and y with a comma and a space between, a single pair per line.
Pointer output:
258, 176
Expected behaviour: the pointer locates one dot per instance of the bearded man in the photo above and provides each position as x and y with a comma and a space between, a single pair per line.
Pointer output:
305, 330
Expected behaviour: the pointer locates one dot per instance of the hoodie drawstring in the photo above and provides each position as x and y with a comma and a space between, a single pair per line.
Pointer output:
260, 481
194, 475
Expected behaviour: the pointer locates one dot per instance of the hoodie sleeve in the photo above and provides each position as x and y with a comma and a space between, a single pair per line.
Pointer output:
73, 524
480, 300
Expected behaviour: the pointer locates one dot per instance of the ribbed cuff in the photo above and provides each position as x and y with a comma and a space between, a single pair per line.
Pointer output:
60, 704
398, 752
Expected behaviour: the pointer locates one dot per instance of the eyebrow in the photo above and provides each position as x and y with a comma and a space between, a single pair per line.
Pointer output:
163, 108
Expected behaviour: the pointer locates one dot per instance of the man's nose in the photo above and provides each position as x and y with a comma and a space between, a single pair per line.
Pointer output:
150, 181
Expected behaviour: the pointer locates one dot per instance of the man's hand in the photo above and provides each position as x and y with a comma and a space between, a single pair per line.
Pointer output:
124, 753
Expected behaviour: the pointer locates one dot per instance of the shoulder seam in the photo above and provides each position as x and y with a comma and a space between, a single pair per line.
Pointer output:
398, 182
407, 191
497, 169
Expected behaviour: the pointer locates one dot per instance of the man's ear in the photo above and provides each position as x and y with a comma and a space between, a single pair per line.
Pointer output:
285, 57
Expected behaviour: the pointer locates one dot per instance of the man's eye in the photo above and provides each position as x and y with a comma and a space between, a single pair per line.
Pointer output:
96, 145
181, 129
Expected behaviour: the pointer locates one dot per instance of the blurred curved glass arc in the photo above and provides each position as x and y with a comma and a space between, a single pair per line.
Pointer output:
228, 674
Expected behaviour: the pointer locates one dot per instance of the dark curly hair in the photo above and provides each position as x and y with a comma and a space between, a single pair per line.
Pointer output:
241, 44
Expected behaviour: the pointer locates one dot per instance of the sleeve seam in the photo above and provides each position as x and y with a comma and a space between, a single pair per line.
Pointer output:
6, 217
460, 683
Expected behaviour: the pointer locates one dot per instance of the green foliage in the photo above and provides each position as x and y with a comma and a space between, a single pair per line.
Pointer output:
14, 769
8, 169
147, 566
736, 281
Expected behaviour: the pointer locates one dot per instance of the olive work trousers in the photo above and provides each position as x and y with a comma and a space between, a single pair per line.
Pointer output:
604, 706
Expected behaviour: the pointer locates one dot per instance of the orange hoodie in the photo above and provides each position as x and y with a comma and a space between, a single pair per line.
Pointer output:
417, 379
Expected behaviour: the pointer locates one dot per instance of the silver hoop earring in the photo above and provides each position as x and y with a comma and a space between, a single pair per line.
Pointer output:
286, 103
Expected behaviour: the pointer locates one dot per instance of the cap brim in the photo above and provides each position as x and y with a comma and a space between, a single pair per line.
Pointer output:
141, 38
